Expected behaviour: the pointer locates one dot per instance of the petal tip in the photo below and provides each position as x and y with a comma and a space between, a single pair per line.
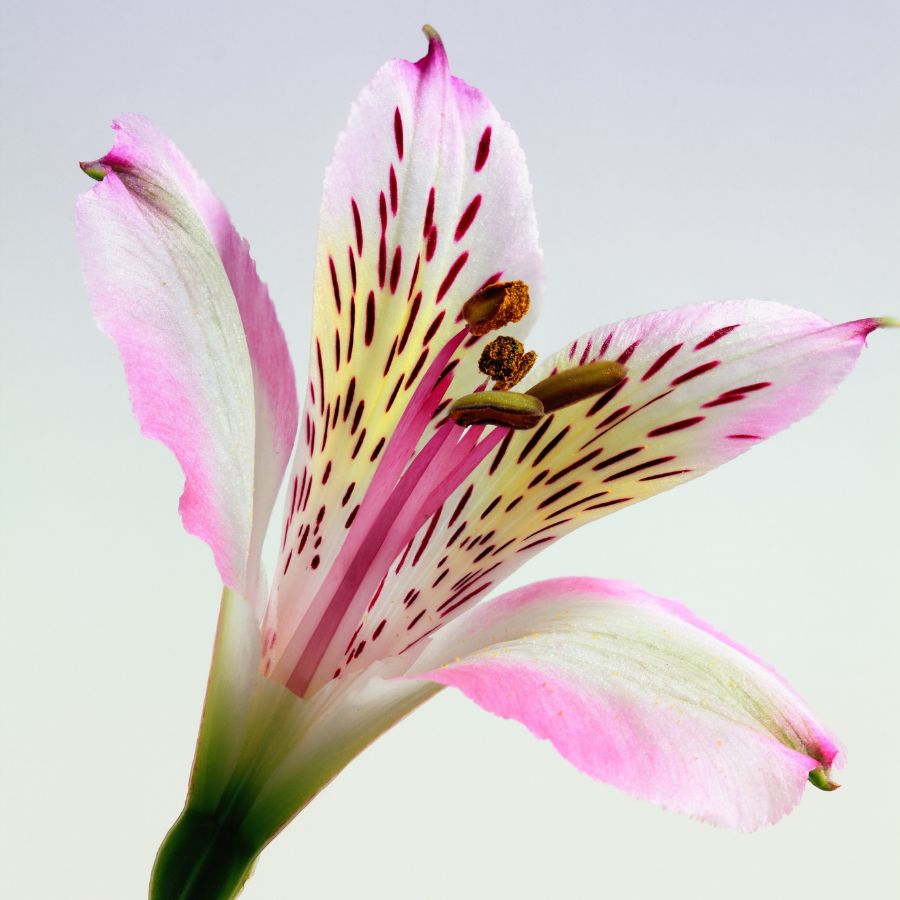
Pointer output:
436, 52
98, 170
821, 778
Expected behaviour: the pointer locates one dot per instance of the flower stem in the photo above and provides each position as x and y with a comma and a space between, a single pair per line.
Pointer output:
201, 858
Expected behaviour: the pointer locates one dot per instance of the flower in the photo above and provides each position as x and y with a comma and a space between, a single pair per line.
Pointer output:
414, 490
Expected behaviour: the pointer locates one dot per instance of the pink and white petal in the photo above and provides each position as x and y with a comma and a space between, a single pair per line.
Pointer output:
207, 365
427, 199
705, 383
637, 692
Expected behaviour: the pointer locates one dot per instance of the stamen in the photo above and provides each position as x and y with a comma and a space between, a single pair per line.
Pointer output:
519, 411
495, 306
577, 383
505, 361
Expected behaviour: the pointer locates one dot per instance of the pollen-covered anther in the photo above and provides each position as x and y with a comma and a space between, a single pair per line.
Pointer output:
505, 361
578, 383
495, 306
518, 411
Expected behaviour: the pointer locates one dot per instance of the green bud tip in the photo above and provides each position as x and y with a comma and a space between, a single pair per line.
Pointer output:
888, 322
820, 778
97, 170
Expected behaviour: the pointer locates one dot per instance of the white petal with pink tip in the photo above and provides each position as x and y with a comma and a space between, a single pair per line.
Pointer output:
639, 693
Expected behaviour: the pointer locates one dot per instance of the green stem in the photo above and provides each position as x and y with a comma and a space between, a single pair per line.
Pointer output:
201, 858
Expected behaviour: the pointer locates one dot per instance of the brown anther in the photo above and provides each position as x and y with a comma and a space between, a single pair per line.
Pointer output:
519, 411
495, 306
505, 361
577, 383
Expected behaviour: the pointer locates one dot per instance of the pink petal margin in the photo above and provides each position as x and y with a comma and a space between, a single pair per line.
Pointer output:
208, 368
638, 692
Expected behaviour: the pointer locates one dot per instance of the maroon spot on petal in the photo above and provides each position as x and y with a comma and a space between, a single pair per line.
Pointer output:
550, 446
491, 279
359, 649
693, 373
352, 332
398, 132
392, 190
425, 540
348, 493
585, 352
431, 243
718, 334
378, 448
618, 457
538, 478
450, 277
467, 218
627, 353
335, 287
394, 393
490, 507
661, 361
724, 399
390, 359
359, 443
432, 328
370, 318
459, 506
501, 452
665, 475
395, 269
357, 225
352, 516
351, 260
351, 390
606, 397
605, 346
579, 502
413, 623
429, 214
321, 376
484, 149
327, 473
399, 565
337, 350
537, 543
357, 416
417, 368
379, 629
304, 537
584, 460
382, 261
608, 503
455, 535
382, 211
749, 388
676, 426
745, 437
314, 562
572, 350
640, 467
415, 276
536, 437
410, 321
464, 599
549, 501
621, 411
288, 562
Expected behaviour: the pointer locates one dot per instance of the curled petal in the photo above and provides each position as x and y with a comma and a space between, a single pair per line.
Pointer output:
639, 693
174, 285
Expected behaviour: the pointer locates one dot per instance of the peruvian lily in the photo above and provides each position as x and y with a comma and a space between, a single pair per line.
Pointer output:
417, 486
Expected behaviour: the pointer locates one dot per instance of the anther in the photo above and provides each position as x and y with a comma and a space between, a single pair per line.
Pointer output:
505, 361
577, 383
495, 306
519, 411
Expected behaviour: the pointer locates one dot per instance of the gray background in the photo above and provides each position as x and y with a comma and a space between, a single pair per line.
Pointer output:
679, 152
